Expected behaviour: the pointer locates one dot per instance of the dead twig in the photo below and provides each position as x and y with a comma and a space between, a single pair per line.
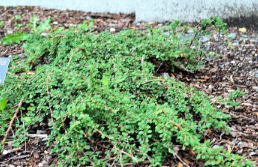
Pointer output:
11, 123
181, 160
13, 74
48, 95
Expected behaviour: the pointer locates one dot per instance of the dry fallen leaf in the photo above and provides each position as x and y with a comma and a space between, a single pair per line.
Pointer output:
180, 164
243, 30
35, 154
186, 161
247, 104
31, 72
229, 148
231, 79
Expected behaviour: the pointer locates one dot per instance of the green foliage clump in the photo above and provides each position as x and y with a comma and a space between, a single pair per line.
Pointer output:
18, 37
102, 87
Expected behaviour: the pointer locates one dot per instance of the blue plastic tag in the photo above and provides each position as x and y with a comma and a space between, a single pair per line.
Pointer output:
4, 62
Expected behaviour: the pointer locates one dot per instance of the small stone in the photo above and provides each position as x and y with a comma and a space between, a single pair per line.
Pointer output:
9, 31
243, 30
55, 22
112, 30
166, 33
244, 39
252, 40
232, 35
215, 147
185, 37
166, 75
252, 154
190, 31
44, 34
203, 39
221, 66
88, 18
111, 25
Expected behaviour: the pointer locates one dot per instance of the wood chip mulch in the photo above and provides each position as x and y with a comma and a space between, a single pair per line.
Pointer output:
234, 69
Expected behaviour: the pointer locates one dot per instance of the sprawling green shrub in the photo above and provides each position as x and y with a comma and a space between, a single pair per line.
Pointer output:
96, 88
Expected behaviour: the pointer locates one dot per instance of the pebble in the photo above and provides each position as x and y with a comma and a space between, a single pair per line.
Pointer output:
190, 31
221, 66
185, 37
166, 75
244, 39
112, 30
215, 146
252, 40
204, 39
252, 154
88, 18
216, 38
235, 44
44, 34
232, 35
9, 31
166, 33
111, 25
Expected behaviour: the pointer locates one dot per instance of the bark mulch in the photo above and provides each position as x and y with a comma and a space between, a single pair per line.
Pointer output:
234, 69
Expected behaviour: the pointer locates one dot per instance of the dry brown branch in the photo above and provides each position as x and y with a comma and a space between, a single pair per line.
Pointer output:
49, 103
11, 123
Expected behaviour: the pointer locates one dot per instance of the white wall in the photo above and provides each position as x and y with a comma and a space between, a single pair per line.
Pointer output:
153, 10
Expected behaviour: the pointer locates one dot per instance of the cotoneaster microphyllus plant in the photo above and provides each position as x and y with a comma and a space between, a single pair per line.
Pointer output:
99, 91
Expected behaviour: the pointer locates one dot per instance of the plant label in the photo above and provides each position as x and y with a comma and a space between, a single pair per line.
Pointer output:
4, 62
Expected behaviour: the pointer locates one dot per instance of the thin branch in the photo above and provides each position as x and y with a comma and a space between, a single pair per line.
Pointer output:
181, 160
48, 96
180, 127
14, 75
11, 123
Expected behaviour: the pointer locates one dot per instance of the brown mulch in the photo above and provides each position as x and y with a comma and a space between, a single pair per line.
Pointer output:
234, 69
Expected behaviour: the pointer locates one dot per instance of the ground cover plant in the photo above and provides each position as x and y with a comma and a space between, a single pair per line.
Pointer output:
102, 88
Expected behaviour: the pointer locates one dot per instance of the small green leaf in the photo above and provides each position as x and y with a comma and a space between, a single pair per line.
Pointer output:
1, 23
26, 119
33, 23
3, 104
105, 81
